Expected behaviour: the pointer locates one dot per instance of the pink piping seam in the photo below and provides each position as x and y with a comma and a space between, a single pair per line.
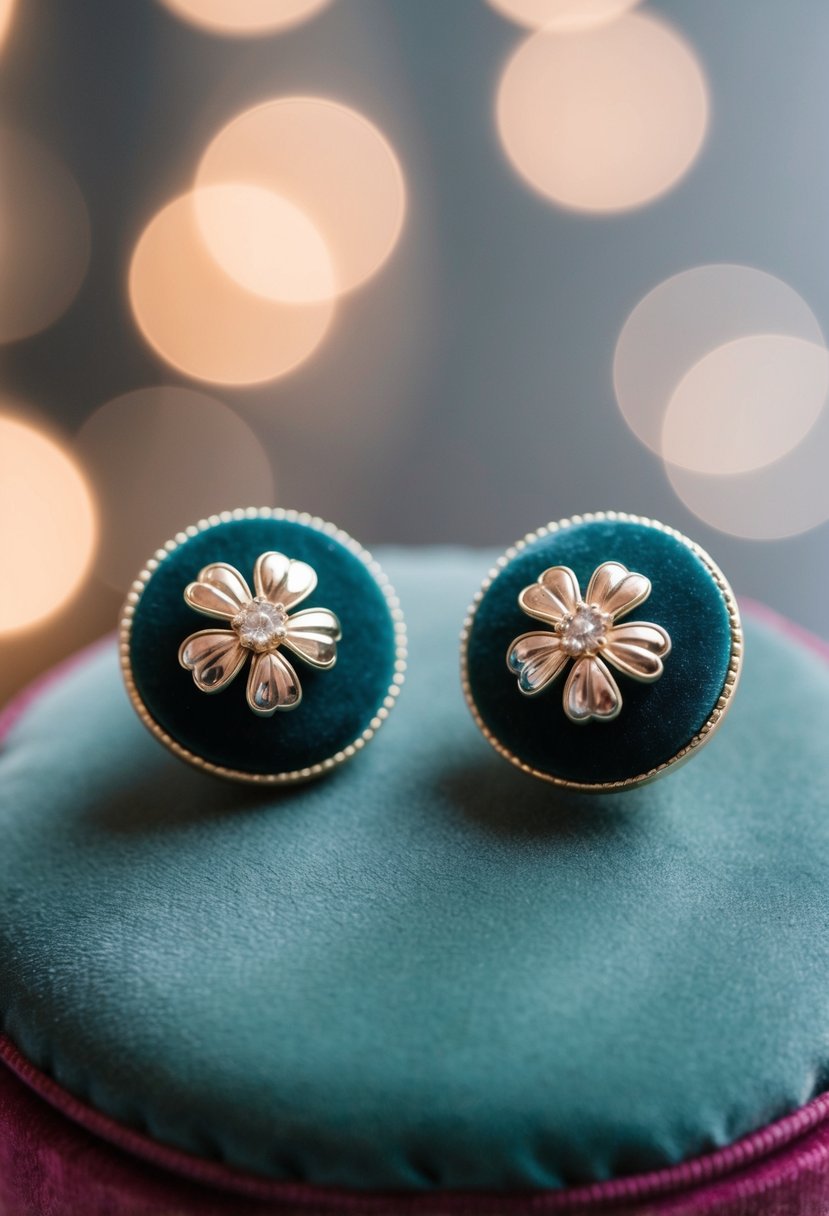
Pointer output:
708, 1168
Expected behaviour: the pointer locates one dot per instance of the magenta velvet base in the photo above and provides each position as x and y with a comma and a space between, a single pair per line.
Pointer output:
51, 1165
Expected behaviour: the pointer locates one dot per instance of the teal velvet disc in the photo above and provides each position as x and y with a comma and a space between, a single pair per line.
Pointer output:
340, 708
660, 722
425, 972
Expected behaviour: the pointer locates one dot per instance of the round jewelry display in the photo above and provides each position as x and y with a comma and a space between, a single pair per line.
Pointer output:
304, 949
589, 698
303, 621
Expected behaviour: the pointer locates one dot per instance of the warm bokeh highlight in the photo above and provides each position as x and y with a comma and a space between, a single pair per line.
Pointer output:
786, 498
685, 318
331, 163
266, 243
7, 8
44, 236
48, 525
745, 404
244, 18
606, 118
562, 14
162, 458
202, 322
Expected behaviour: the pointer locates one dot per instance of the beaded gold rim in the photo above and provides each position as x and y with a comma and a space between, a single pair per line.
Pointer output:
318, 525
717, 713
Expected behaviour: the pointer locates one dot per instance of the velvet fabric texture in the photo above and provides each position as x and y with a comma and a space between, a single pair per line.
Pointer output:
337, 705
658, 719
428, 970
51, 1165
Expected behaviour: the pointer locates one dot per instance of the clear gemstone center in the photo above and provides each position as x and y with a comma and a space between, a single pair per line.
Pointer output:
261, 625
583, 631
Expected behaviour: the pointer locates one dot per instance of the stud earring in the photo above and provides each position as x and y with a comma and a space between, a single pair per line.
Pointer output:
569, 681
298, 663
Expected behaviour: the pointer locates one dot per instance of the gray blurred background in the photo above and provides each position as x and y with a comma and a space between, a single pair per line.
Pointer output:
465, 394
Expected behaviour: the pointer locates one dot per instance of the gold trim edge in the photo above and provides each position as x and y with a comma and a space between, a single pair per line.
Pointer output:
711, 723
294, 776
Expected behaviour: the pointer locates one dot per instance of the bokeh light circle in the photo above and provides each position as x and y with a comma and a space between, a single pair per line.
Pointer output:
7, 8
160, 457
48, 525
562, 14
745, 404
783, 499
686, 317
265, 243
329, 161
200, 320
245, 18
606, 118
44, 236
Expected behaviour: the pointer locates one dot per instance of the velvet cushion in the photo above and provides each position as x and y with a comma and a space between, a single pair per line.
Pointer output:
427, 970
337, 705
657, 720
55, 1165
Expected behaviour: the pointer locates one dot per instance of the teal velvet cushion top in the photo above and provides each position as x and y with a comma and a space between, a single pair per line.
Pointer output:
428, 969
337, 706
658, 720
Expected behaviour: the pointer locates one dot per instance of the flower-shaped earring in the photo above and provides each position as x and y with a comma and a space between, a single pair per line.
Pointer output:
585, 631
321, 631
260, 626
678, 669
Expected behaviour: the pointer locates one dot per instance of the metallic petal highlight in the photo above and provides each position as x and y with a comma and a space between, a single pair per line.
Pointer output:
272, 684
214, 657
537, 659
219, 591
616, 590
554, 595
283, 580
228, 578
637, 648
313, 635
591, 692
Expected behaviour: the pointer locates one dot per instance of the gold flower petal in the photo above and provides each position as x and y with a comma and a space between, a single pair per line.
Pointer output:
283, 580
554, 595
214, 656
536, 658
637, 648
219, 591
272, 684
591, 692
313, 635
616, 590
221, 574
